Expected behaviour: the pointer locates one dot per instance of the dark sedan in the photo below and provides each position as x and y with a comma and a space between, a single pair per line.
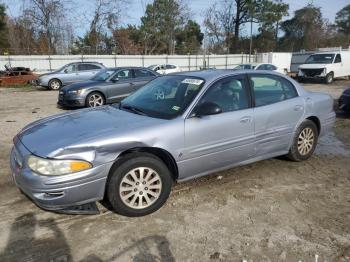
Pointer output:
108, 86
344, 100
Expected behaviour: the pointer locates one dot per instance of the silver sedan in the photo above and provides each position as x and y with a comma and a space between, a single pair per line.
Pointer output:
175, 128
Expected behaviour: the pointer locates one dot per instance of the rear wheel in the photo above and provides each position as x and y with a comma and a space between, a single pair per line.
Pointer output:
304, 142
95, 99
139, 185
55, 84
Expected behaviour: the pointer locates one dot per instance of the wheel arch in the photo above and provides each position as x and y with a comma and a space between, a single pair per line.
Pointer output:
161, 153
317, 122
95, 91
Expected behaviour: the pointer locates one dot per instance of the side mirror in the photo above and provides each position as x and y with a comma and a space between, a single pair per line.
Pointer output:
114, 80
206, 109
65, 70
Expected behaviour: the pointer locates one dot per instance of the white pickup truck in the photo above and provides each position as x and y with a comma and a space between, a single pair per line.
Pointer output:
325, 66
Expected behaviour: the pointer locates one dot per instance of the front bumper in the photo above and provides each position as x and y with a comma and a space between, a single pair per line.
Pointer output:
57, 192
67, 100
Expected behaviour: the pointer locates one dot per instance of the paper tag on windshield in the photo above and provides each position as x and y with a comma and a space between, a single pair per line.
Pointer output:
192, 81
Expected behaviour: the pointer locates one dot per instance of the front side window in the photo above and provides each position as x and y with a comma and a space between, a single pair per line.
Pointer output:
229, 94
71, 68
170, 67
262, 67
271, 89
165, 97
337, 59
124, 74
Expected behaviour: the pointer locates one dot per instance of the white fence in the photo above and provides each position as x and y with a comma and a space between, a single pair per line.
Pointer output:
42, 63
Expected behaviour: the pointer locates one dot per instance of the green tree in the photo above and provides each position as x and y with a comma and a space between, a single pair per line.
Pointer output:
189, 39
159, 25
303, 31
3, 27
342, 20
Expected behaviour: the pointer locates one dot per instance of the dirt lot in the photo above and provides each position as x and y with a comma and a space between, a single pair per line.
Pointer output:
273, 210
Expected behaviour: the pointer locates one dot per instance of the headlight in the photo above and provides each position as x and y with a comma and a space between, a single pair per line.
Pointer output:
55, 167
77, 92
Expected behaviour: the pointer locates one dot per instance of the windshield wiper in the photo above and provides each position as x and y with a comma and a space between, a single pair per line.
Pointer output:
132, 109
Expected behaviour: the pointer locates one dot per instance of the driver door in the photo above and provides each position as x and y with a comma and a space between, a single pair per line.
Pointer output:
214, 142
121, 85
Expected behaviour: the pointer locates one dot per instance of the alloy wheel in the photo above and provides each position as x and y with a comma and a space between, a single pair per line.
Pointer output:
140, 187
95, 100
306, 141
55, 85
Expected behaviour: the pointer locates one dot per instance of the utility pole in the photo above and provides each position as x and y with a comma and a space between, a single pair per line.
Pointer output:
251, 37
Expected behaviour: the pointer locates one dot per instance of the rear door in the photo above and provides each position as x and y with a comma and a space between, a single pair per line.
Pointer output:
86, 71
221, 140
142, 77
121, 85
278, 109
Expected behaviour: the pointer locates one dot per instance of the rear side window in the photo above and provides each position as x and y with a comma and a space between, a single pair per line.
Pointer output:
85, 67
143, 73
271, 89
228, 93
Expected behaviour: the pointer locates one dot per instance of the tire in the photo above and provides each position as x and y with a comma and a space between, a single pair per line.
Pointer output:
329, 78
120, 177
55, 84
95, 99
306, 129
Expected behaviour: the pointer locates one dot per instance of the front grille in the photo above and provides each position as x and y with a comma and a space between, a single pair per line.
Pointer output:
312, 72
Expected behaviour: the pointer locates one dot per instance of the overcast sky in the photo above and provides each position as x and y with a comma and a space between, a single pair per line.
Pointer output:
136, 9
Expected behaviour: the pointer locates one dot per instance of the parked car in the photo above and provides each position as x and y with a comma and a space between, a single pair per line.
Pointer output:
165, 69
16, 76
175, 128
325, 66
108, 86
263, 66
68, 74
344, 100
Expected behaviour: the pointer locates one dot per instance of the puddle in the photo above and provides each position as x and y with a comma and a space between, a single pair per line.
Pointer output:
330, 145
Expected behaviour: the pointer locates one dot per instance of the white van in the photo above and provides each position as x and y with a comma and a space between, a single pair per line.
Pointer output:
325, 66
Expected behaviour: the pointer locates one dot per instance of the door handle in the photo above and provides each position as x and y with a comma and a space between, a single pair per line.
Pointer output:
245, 119
298, 108
132, 84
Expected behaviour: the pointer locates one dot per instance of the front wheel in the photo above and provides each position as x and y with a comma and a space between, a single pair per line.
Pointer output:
139, 185
95, 99
329, 78
55, 84
304, 142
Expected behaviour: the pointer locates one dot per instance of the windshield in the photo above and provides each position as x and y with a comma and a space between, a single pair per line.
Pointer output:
165, 97
103, 75
320, 59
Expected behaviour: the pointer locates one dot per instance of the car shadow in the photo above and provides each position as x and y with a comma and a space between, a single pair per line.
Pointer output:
24, 245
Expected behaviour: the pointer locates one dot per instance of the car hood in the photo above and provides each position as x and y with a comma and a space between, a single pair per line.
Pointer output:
81, 130
347, 92
313, 66
81, 85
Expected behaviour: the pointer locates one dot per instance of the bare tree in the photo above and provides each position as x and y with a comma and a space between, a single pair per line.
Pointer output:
106, 15
48, 20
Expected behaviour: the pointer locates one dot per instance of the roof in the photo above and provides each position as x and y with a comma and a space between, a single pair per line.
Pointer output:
211, 75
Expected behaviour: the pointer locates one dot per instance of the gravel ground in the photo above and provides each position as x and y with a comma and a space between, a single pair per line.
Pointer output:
273, 210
